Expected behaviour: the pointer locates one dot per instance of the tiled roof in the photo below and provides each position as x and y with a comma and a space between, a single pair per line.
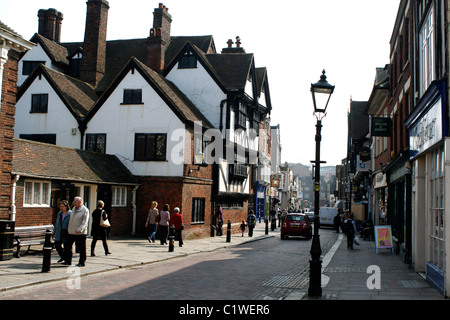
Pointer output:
41, 160
78, 96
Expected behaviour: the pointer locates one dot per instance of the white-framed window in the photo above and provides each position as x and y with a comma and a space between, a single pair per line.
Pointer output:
36, 193
427, 50
437, 217
119, 197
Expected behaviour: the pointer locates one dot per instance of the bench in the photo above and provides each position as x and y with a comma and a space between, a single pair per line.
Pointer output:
28, 236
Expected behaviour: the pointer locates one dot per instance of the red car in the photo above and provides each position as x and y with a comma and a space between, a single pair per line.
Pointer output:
296, 224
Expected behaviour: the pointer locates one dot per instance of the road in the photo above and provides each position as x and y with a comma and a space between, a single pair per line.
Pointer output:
269, 269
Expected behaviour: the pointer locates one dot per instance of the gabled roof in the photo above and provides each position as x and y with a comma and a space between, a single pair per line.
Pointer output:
232, 68
57, 53
77, 95
47, 161
186, 111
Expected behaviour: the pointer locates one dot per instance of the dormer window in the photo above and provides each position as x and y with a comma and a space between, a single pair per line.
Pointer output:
187, 61
132, 96
29, 66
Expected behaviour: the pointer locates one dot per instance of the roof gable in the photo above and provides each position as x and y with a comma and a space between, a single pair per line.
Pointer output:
56, 52
77, 95
172, 96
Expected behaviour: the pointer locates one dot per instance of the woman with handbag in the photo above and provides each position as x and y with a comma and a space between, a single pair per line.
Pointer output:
100, 225
163, 224
152, 220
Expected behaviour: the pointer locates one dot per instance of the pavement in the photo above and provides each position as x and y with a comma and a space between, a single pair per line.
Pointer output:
346, 274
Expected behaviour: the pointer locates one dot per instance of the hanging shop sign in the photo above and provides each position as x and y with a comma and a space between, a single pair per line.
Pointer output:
381, 127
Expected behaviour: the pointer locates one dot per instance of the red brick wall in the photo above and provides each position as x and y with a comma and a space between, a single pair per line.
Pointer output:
7, 112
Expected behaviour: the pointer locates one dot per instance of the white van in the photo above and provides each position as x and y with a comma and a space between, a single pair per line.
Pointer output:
327, 215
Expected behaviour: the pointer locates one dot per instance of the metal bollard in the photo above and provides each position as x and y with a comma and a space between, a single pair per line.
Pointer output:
229, 231
171, 238
273, 225
47, 252
267, 226
213, 230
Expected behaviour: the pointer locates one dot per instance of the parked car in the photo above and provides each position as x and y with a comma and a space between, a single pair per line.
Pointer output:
296, 225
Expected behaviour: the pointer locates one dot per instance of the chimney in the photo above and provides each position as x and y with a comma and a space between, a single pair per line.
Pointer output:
237, 49
93, 64
159, 38
50, 24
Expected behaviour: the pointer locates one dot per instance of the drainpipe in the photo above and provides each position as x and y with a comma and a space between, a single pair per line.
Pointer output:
12, 215
82, 127
133, 230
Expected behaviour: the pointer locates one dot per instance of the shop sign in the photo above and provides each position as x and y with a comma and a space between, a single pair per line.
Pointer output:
381, 127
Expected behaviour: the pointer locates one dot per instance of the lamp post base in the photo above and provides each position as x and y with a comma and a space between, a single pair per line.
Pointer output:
315, 275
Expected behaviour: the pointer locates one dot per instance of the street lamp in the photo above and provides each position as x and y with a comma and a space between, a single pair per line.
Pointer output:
321, 93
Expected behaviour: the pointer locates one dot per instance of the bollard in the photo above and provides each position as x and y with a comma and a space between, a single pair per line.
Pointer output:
47, 252
273, 225
267, 226
171, 238
229, 231
213, 230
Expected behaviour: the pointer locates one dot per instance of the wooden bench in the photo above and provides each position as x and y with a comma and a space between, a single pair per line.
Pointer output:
28, 236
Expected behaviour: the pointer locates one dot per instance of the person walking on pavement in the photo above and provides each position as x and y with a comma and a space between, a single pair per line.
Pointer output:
77, 230
163, 224
337, 221
251, 222
151, 221
99, 232
177, 221
350, 230
60, 231
219, 219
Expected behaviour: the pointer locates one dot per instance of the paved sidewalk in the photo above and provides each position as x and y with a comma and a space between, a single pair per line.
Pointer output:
346, 276
126, 252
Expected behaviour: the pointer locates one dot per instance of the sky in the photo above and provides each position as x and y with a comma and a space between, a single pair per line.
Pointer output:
294, 39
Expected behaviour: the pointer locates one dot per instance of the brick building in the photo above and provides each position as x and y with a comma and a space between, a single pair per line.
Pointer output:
163, 105
11, 46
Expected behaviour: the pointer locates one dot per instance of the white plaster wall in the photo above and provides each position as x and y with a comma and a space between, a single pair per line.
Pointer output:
121, 123
58, 119
201, 89
35, 54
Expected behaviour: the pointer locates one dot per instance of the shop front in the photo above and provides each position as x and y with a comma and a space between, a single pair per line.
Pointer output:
430, 156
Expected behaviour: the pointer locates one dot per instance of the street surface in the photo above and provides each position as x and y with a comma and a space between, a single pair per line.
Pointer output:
268, 269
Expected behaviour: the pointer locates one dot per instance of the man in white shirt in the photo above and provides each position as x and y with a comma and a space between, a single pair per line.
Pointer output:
78, 224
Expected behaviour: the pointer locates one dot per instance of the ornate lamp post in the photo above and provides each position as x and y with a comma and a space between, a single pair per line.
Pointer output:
321, 94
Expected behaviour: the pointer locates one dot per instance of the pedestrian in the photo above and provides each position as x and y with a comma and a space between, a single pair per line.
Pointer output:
251, 222
243, 227
177, 221
219, 219
163, 224
98, 231
77, 230
337, 222
151, 221
60, 231
350, 231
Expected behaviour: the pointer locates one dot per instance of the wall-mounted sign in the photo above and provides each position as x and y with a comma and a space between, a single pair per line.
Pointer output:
381, 127
427, 131
275, 183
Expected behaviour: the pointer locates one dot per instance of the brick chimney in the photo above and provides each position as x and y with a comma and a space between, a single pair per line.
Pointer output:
50, 24
159, 38
231, 49
93, 64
